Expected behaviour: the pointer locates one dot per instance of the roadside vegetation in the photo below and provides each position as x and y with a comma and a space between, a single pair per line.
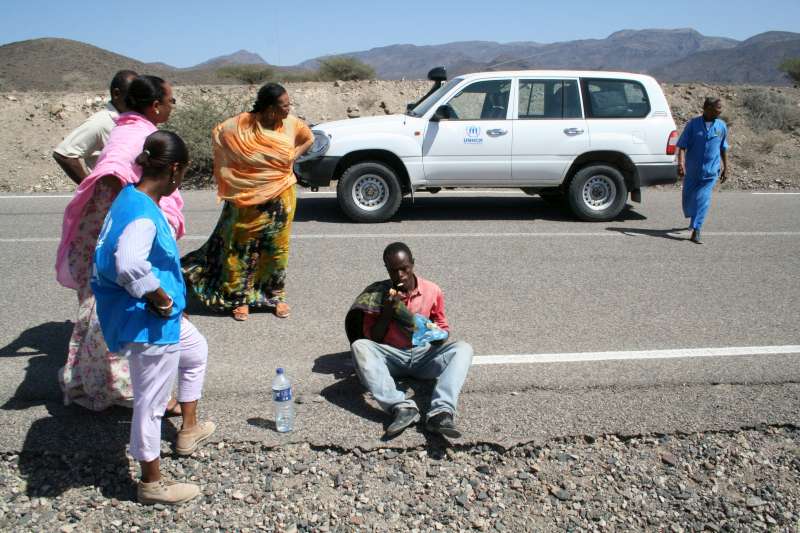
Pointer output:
770, 110
193, 121
792, 68
249, 74
344, 68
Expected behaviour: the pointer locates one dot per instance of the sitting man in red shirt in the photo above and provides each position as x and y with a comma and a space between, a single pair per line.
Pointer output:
383, 349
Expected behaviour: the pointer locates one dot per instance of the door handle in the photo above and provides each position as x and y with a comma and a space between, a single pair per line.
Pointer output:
497, 132
572, 131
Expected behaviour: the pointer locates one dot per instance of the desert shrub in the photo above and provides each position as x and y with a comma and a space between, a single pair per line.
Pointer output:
792, 68
344, 68
767, 142
193, 120
769, 110
250, 74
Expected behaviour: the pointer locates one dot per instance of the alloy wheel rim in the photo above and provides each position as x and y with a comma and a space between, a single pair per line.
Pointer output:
370, 192
599, 193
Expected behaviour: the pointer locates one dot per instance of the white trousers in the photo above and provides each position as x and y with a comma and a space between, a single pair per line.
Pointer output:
153, 369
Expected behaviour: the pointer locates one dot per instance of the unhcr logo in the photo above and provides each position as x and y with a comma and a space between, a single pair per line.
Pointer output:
473, 135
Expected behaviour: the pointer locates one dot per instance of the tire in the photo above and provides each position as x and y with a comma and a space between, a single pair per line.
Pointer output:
597, 193
369, 192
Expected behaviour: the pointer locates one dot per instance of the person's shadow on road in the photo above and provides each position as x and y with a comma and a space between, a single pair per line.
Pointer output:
71, 447
349, 394
46, 347
669, 234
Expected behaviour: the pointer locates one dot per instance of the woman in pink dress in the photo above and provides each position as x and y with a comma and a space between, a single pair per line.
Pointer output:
93, 377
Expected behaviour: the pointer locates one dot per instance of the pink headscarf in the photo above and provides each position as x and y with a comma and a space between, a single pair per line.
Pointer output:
117, 159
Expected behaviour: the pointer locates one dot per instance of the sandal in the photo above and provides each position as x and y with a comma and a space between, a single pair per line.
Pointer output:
241, 313
282, 310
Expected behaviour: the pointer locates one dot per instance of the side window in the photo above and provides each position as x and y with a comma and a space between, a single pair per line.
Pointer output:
549, 99
483, 100
615, 99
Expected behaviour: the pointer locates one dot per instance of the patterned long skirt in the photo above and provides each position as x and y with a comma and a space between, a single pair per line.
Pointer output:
92, 377
244, 260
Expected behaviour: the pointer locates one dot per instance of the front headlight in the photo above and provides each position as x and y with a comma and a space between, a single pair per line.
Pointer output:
318, 149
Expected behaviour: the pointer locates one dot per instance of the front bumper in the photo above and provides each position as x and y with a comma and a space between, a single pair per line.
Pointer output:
648, 175
317, 171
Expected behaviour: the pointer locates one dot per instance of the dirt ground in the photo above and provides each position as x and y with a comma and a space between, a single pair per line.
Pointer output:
35, 122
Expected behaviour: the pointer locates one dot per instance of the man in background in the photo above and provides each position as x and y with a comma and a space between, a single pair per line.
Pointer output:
79, 151
702, 149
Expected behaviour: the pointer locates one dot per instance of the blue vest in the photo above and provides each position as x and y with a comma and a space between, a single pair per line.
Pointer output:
124, 318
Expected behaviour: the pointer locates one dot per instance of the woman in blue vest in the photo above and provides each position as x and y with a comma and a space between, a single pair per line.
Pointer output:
140, 295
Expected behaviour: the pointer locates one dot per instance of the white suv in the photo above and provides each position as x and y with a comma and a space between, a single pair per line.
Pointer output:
586, 137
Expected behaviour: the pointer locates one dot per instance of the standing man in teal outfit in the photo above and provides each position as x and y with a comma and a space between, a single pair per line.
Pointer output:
702, 151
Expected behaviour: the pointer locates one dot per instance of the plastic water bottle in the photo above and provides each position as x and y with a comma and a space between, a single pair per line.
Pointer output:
282, 401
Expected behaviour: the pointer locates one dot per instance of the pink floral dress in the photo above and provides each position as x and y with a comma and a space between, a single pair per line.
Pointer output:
93, 377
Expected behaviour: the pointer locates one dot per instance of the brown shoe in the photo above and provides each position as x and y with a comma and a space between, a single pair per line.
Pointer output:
282, 310
189, 439
166, 492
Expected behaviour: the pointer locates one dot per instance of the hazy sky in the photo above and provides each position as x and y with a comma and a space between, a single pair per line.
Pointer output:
184, 33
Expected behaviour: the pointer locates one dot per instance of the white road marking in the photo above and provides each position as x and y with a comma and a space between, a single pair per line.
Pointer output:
736, 351
31, 239
26, 196
520, 235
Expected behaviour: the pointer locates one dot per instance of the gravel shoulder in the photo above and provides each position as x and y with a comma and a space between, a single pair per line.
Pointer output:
730, 481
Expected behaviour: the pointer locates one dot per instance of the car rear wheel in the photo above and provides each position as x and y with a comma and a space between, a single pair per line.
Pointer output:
597, 193
369, 192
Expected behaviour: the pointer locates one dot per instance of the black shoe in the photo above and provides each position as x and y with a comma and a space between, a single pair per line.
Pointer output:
443, 424
695, 238
403, 417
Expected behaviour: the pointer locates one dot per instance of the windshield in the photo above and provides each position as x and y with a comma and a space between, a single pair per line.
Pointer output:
428, 102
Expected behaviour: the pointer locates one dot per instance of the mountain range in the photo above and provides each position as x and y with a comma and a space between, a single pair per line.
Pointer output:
670, 55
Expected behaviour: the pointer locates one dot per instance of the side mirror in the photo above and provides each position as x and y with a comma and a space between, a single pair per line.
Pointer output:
442, 113
410, 106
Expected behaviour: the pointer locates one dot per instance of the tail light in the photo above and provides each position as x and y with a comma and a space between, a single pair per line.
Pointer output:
672, 142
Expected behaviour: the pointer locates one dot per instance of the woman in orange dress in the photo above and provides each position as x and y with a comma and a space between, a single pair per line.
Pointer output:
243, 263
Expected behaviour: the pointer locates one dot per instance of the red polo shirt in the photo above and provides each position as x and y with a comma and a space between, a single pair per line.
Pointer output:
427, 300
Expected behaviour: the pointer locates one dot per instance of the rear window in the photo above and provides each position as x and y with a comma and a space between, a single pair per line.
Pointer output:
604, 98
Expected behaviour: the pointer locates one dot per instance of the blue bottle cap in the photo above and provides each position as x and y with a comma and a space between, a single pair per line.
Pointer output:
279, 370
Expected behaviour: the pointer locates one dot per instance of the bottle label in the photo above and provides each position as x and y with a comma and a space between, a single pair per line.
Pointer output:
282, 395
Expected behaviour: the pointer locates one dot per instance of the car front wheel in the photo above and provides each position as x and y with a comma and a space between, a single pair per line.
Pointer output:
369, 192
597, 193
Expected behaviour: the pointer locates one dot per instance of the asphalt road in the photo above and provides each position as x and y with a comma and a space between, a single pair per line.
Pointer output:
520, 278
